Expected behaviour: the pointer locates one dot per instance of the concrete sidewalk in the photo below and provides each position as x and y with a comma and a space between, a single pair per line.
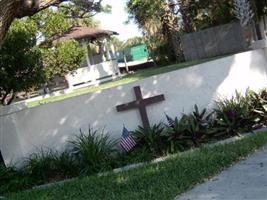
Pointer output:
247, 180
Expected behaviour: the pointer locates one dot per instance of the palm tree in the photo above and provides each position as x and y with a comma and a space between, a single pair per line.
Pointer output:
158, 22
170, 29
184, 8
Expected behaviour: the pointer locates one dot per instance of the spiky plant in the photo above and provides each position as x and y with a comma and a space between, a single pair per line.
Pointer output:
94, 150
46, 165
153, 139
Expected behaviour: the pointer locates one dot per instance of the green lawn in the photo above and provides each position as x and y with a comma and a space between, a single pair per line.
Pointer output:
160, 181
141, 74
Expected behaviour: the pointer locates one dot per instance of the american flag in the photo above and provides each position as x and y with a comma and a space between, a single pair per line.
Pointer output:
171, 122
127, 141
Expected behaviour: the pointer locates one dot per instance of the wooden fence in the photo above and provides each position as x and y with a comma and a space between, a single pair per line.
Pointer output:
215, 41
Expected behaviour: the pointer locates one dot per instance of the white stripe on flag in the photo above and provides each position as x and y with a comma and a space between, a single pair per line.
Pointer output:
128, 143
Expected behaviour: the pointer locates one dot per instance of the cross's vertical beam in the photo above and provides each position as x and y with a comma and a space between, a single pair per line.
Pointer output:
141, 107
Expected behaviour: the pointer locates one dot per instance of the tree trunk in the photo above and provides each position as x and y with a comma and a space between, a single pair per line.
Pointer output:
11, 98
3, 99
176, 44
170, 29
11, 9
184, 10
258, 31
7, 98
7, 15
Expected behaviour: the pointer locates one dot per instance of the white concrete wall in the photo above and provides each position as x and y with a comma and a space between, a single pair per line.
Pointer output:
52, 125
93, 72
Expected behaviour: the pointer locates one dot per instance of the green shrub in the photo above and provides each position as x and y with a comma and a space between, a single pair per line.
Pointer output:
233, 116
12, 180
94, 151
200, 126
49, 166
152, 139
190, 130
258, 103
178, 137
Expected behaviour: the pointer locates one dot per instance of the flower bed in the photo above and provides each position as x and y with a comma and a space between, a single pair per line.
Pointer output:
95, 152
163, 180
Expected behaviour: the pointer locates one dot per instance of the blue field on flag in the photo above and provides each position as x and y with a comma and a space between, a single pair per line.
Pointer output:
171, 122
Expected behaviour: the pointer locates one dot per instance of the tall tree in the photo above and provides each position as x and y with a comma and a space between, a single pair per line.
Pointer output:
159, 25
187, 11
134, 41
202, 14
260, 9
170, 29
63, 59
57, 60
12, 9
243, 12
20, 62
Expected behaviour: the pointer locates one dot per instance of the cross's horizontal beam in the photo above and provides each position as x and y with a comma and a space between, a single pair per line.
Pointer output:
155, 99
128, 106
141, 104
137, 104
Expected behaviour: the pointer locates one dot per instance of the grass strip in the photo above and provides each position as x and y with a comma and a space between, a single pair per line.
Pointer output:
156, 181
139, 75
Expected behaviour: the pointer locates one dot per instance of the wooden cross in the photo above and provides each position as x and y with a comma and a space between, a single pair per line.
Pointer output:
141, 104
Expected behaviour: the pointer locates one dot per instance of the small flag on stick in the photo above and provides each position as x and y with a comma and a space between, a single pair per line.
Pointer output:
127, 141
171, 122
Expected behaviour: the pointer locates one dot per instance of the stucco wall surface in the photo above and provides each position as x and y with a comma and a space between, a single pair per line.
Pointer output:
93, 73
23, 130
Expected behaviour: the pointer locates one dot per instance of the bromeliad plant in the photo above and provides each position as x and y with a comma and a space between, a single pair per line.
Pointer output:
258, 103
200, 126
177, 135
190, 130
234, 116
153, 139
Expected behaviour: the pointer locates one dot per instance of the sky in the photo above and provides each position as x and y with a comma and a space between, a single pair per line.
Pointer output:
115, 20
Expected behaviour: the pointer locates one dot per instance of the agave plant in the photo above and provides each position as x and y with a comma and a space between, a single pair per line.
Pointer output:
94, 151
153, 139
